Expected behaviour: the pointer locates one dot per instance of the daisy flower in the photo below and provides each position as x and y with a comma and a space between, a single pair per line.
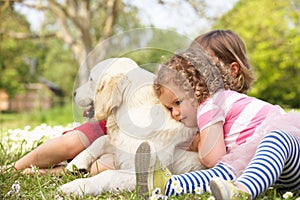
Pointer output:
287, 195
178, 189
175, 184
15, 188
198, 190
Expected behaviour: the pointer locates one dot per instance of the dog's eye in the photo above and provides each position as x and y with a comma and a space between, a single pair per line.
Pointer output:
91, 79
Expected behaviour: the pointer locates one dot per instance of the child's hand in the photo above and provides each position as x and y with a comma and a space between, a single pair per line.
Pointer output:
194, 145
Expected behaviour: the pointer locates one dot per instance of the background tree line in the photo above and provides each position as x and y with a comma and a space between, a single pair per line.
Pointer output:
271, 31
72, 28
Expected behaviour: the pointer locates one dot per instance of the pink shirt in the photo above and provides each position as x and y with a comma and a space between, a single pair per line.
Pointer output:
239, 113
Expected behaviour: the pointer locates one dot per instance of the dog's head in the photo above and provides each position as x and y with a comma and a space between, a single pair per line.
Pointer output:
127, 96
85, 94
110, 88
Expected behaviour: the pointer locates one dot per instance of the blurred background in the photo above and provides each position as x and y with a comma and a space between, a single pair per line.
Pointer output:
44, 46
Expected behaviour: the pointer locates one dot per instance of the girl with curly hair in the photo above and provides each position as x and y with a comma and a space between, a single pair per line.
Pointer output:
242, 138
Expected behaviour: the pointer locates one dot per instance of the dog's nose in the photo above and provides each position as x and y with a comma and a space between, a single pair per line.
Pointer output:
74, 93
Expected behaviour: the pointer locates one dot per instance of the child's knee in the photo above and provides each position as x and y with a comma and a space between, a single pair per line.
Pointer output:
105, 162
73, 143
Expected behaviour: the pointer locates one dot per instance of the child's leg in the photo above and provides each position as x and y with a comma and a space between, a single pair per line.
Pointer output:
198, 181
277, 160
54, 151
105, 162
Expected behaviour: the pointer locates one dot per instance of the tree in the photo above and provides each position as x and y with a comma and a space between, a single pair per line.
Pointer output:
271, 31
82, 24
14, 54
79, 24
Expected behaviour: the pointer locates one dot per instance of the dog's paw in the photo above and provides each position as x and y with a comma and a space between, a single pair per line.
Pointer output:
77, 187
71, 167
82, 161
77, 172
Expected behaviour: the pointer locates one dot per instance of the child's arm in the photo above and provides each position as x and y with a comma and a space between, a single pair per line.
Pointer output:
194, 145
211, 146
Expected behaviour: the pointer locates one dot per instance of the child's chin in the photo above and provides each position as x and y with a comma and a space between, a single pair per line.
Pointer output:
189, 125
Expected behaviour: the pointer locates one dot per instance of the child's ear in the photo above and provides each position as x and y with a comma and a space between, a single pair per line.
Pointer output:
234, 68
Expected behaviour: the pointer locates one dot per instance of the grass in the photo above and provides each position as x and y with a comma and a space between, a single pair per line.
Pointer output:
46, 186
58, 115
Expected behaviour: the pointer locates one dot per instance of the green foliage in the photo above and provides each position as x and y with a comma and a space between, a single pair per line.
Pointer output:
14, 71
55, 60
16, 55
160, 47
271, 32
59, 65
146, 46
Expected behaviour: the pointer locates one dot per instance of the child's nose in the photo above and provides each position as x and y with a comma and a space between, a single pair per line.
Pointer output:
176, 114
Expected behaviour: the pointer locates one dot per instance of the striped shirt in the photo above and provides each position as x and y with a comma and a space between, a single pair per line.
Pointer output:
239, 113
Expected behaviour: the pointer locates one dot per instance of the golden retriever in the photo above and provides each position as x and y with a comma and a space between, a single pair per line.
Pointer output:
124, 96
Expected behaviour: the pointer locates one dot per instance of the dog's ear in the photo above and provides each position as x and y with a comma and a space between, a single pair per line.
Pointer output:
109, 95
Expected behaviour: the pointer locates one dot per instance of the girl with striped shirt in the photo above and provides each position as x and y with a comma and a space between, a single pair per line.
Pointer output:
241, 138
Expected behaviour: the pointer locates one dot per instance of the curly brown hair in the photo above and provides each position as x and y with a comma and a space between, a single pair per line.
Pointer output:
194, 71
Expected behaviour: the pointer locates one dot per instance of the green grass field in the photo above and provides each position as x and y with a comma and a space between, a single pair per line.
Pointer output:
46, 186
57, 115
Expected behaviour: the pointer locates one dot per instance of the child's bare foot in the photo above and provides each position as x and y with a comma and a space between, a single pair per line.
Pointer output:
58, 170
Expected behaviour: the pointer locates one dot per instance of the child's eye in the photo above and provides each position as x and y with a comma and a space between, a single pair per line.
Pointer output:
178, 102
169, 108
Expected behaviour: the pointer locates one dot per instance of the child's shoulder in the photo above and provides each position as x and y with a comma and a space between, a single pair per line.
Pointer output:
228, 93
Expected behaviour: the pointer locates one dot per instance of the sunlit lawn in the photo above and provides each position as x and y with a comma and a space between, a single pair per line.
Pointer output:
20, 133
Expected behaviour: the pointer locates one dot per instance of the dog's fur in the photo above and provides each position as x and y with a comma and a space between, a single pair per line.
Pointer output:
124, 96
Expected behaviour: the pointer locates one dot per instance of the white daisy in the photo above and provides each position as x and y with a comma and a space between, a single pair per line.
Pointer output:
287, 195
175, 184
198, 190
15, 188
178, 189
